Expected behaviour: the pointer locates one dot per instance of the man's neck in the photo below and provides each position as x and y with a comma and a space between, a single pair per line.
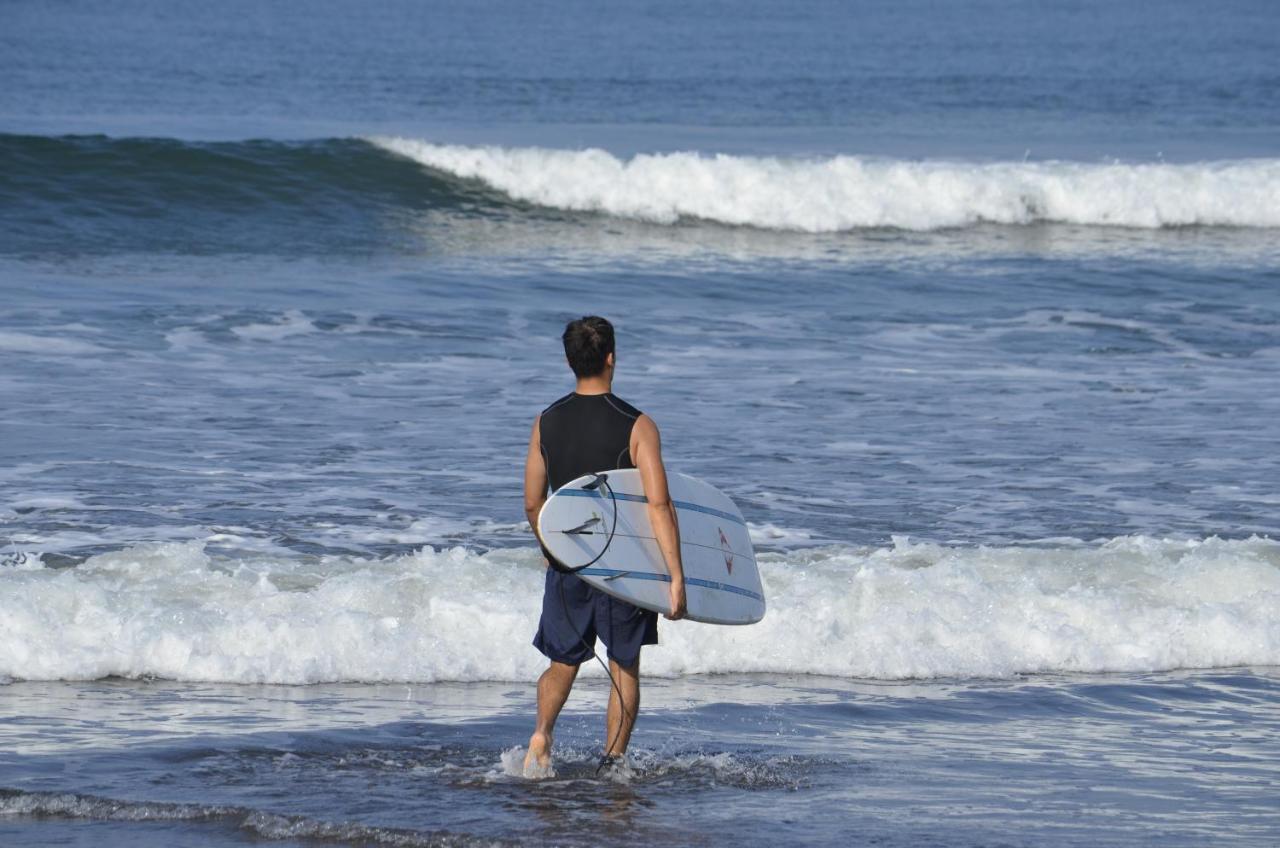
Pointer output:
594, 386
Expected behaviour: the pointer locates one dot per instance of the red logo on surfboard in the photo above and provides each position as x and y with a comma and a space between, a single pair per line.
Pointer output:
728, 551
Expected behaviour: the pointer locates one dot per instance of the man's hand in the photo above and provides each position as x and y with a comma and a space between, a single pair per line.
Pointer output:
677, 600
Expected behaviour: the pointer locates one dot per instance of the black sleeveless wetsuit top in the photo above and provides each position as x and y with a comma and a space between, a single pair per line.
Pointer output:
586, 433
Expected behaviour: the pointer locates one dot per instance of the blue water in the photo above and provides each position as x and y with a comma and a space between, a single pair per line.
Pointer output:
972, 308
1187, 759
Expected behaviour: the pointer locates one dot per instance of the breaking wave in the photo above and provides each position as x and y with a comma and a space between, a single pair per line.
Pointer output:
95, 194
850, 192
911, 610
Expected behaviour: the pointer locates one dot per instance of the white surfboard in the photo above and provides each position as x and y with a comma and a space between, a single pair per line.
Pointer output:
722, 582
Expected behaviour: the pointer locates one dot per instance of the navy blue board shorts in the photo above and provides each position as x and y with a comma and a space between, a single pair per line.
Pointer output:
587, 613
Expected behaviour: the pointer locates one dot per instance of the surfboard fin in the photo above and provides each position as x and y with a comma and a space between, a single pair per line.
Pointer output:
581, 529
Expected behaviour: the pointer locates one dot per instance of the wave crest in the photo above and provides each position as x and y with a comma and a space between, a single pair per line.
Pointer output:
849, 192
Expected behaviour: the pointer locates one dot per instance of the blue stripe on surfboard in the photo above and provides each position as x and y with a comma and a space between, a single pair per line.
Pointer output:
623, 496
666, 578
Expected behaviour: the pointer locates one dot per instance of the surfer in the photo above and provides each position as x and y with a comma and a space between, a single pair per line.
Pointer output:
590, 430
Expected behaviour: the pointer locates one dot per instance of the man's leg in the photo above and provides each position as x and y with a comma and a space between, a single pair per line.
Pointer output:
553, 690
621, 717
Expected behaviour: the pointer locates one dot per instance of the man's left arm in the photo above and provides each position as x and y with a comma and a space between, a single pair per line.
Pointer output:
646, 451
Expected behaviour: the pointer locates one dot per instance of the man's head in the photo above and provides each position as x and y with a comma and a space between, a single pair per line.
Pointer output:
588, 345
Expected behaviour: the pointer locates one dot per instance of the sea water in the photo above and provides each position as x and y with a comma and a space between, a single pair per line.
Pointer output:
972, 308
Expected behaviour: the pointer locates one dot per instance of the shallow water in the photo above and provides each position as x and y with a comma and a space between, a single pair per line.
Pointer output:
1186, 757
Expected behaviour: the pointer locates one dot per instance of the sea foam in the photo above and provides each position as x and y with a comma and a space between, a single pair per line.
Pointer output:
910, 610
840, 193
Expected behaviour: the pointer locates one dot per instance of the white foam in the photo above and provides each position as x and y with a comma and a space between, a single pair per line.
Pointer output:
170, 610
27, 343
185, 338
772, 534
21, 561
430, 529
291, 323
851, 192
911, 610
46, 502
647, 765
512, 765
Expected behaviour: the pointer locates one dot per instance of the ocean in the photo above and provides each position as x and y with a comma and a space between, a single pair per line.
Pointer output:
973, 308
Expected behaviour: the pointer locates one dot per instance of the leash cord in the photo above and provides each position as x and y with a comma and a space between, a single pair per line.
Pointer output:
602, 480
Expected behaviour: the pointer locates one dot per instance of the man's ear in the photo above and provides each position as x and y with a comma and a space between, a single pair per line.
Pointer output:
609, 359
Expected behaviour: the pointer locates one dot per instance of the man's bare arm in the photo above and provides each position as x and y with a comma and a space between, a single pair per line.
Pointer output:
646, 450
535, 478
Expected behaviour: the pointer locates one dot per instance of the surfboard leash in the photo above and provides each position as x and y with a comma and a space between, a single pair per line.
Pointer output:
600, 481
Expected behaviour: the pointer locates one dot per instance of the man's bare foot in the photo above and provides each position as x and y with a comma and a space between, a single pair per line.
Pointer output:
537, 762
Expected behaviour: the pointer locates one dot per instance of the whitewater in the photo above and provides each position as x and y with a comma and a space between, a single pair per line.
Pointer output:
912, 610
847, 192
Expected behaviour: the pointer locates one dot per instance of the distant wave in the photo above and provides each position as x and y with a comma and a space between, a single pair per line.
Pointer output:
907, 611
850, 192
69, 193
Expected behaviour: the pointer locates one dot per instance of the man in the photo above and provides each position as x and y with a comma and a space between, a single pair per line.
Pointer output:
590, 430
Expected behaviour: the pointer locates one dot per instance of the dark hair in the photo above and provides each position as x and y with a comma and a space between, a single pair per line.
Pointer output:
587, 341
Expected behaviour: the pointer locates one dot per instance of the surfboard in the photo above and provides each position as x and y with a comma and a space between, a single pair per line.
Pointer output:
722, 581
